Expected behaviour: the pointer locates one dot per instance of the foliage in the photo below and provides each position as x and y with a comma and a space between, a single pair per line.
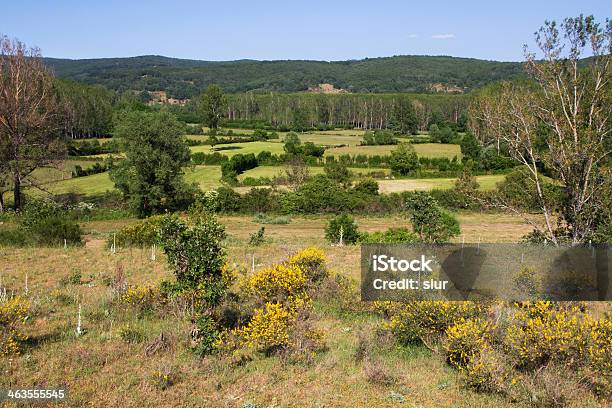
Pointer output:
143, 298
56, 230
337, 171
342, 228
257, 238
367, 186
270, 328
404, 159
142, 233
205, 336
212, 103
429, 221
151, 175
390, 236
13, 313
378, 137
195, 252
404, 119
185, 78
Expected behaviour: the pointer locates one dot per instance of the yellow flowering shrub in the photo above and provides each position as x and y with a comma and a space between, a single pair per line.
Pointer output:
269, 328
599, 344
466, 339
413, 320
142, 297
487, 371
312, 262
541, 332
13, 312
282, 283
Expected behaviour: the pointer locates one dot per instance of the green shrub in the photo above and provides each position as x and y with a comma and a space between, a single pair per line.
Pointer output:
342, 226
367, 186
257, 238
204, 336
55, 231
390, 236
143, 233
429, 221
195, 252
14, 237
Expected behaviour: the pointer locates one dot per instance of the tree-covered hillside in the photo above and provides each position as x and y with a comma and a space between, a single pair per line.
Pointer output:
182, 78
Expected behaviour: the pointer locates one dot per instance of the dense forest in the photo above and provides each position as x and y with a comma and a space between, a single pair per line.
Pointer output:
182, 78
365, 111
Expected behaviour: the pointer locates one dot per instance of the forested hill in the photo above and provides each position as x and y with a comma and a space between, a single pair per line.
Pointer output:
182, 78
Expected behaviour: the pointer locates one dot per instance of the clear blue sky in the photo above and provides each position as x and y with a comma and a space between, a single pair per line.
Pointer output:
322, 30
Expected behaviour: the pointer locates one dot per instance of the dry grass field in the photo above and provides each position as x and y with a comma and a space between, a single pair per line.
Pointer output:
104, 367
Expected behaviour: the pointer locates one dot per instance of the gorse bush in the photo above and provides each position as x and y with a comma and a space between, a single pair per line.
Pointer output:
466, 339
269, 328
413, 320
311, 261
281, 318
13, 313
282, 283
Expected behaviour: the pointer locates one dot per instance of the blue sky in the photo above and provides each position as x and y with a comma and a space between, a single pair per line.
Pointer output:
322, 30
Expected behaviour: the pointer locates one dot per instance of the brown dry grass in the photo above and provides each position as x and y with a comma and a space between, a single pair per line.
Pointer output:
101, 369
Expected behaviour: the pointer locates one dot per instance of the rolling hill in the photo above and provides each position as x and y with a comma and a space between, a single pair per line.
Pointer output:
183, 78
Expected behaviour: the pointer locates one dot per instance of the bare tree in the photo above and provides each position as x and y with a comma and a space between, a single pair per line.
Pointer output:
297, 173
29, 114
562, 121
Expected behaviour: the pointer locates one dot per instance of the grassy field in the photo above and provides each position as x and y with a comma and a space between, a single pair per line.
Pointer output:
424, 149
487, 182
271, 171
244, 148
105, 368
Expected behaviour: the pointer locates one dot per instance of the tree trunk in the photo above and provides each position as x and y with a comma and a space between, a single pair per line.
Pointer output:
16, 193
1, 201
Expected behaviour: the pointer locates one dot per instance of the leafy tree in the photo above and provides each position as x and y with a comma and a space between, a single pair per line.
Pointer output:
313, 150
292, 143
342, 226
212, 105
430, 221
151, 175
470, 148
404, 159
404, 119
300, 120
378, 137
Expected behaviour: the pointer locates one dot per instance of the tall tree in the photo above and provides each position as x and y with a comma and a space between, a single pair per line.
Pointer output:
212, 106
404, 119
571, 101
151, 175
30, 115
